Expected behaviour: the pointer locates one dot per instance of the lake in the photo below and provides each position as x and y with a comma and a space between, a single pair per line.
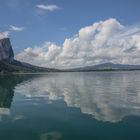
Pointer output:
70, 106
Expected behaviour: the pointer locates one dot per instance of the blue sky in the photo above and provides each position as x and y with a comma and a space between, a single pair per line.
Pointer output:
40, 24
57, 25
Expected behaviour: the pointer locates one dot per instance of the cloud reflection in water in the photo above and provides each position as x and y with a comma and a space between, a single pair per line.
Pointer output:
107, 96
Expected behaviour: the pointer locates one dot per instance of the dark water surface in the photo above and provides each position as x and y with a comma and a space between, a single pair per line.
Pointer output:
70, 106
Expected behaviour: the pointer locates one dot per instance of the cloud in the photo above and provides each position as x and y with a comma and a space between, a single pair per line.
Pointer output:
50, 8
15, 28
4, 34
11, 29
101, 42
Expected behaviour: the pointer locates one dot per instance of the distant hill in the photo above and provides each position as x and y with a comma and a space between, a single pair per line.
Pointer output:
106, 67
9, 64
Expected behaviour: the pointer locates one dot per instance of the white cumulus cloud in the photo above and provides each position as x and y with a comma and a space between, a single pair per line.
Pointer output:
47, 7
101, 42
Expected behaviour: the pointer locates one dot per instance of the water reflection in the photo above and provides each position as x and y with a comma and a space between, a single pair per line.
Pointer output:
107, 96
51, 136
7, 85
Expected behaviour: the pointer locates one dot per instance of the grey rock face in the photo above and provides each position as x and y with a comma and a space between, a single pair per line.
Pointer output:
6, 51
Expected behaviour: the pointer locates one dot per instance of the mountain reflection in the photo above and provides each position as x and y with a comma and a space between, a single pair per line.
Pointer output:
107, 96
7, 86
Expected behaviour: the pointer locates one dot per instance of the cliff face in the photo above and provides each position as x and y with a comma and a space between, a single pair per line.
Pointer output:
6, 51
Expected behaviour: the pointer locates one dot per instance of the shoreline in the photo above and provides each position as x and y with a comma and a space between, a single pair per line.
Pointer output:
63, 71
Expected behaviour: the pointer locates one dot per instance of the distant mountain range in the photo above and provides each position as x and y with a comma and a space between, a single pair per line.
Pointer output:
106, 67
8, 64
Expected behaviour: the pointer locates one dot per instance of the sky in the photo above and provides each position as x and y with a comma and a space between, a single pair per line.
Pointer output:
72, 33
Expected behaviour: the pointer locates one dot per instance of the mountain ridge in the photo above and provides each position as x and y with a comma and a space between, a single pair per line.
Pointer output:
106, 67
9, 65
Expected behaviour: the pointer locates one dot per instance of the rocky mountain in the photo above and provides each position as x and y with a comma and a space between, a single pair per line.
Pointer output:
9, 64
6, 51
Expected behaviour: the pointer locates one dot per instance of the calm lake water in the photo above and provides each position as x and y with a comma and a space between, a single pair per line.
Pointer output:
70, 106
